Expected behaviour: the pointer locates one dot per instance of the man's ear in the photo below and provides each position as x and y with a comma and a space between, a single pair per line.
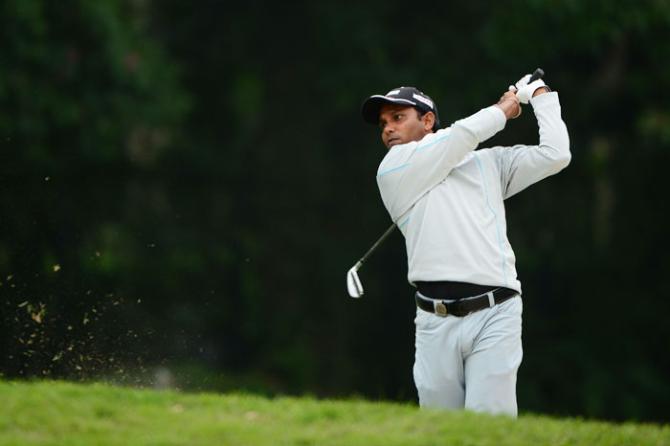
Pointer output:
428, 120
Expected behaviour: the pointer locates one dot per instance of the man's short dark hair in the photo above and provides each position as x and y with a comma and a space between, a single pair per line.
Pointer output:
420, 113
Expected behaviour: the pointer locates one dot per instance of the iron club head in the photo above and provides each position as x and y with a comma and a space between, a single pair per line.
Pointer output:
354, 285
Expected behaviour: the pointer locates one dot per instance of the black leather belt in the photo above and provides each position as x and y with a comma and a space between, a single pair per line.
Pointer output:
463, 307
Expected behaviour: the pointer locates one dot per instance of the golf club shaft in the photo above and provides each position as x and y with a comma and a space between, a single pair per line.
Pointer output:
377, 243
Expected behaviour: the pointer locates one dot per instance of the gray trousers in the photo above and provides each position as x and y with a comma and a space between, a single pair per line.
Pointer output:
469, 362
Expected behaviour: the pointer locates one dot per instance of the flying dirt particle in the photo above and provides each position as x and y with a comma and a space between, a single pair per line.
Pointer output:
37, 314
23, 304
97, 253
151, 245
56, 268
139, 301
57, 356
69, 328
10, 277
86, 319
47, 178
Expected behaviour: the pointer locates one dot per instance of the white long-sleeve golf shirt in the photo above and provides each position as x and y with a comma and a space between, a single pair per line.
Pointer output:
447, 198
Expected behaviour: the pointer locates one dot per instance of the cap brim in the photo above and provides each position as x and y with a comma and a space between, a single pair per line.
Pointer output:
372, 105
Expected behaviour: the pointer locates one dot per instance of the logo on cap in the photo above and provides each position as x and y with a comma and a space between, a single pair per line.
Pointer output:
426, 101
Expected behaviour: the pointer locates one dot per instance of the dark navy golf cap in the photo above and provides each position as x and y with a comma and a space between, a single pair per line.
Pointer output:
402, 96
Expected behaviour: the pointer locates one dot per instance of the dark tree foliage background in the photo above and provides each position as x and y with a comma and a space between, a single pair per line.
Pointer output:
183, 186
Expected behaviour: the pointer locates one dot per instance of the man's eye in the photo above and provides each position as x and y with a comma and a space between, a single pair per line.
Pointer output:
397, 117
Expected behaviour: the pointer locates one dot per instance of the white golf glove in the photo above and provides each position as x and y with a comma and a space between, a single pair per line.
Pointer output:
524, 90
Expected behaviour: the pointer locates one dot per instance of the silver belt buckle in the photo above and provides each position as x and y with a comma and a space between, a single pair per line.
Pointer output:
440, 308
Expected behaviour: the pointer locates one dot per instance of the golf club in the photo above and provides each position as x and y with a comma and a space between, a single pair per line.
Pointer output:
354, 285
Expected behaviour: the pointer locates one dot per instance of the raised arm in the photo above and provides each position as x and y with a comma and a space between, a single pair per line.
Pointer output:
410, 170
521, 165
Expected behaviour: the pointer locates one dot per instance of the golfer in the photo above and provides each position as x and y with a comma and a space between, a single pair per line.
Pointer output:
448, 201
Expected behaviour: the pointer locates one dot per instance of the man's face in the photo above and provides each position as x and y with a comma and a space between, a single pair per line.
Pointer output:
401, 124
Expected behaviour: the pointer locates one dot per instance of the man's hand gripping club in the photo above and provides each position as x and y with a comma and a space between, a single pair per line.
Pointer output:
527, 87
509, 104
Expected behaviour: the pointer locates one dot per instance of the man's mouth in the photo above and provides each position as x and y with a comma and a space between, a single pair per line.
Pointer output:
393, 141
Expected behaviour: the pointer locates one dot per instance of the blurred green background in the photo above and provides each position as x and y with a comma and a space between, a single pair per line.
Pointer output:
185, 184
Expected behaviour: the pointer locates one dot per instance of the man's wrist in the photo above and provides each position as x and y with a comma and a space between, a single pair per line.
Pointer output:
541, 90
510, 108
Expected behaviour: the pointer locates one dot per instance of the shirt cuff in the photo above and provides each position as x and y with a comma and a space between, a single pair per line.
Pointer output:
543, 99
485, 123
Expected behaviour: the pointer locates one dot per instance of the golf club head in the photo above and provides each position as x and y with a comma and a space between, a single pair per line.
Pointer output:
354, 285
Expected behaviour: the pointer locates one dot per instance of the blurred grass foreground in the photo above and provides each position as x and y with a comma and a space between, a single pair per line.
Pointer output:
51, 412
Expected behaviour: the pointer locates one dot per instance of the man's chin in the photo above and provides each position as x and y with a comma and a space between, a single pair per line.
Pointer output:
393, 142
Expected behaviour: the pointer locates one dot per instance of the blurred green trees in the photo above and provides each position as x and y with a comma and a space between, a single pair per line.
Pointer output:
83, 86
199, 175
88, 101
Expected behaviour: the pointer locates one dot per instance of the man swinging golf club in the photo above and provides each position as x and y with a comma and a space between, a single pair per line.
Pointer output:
447, 200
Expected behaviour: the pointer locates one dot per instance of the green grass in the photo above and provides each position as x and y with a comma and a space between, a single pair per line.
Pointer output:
58, 413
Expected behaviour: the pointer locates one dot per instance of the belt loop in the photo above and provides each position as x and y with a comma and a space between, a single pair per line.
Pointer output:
492, 301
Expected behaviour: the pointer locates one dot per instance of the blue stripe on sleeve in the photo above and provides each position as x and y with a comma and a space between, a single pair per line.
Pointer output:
402, 166
432, 143
418, 149
402, 225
